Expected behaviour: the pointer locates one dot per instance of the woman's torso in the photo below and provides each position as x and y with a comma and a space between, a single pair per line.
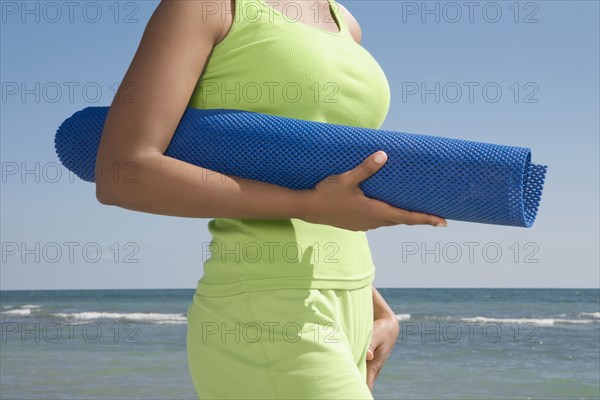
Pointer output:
273, 64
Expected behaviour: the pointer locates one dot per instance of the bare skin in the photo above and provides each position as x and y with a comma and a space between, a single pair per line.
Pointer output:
383, 339
171, 56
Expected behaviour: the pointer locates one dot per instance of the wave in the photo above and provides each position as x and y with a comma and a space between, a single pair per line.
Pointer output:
18, 311
535, 321
24, 310
155, 318
589, 314
548, 321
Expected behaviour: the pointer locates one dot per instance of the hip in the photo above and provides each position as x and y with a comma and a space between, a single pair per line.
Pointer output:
284, 343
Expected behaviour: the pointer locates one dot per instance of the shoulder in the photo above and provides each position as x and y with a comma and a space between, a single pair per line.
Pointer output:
351, 22
197, 16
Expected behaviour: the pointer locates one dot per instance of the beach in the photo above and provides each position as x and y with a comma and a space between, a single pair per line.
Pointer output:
453, 344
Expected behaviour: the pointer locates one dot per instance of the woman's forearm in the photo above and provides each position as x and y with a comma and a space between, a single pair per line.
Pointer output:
160, 184
381, 309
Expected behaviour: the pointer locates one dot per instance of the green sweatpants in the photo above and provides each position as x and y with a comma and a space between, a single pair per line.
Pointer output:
281, 344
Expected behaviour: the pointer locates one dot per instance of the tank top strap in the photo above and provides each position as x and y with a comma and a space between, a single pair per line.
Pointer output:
250, 11
247, 10
337, 14
239, 5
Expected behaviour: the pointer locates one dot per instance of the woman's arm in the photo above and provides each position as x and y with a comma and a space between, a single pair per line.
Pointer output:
381, 308
164, 71
383, 339
173, 51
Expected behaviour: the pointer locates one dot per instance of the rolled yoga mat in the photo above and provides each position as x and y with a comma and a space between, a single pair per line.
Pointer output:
451, 178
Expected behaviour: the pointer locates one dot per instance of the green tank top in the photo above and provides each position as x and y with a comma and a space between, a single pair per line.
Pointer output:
270, 62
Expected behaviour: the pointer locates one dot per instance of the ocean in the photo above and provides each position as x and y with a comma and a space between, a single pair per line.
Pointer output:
454, 344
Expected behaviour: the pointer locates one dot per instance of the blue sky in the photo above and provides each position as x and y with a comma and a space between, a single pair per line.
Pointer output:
534, 69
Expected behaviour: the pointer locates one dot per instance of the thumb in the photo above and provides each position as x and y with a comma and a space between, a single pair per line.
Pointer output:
366, 168
374, 343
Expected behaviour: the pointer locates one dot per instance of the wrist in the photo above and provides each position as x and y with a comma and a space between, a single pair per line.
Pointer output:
305, 204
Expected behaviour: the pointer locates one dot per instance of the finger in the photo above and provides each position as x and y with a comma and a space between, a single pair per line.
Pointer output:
365, 169
369, 355
416, 218
370, 378
372, 372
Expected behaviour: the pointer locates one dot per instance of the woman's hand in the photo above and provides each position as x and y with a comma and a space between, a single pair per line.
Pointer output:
383, 338
339, 201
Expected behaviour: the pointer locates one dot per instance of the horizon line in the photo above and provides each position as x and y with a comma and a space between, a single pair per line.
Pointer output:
377, 287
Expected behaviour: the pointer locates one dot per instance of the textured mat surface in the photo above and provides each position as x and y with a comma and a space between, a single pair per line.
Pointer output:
452, 178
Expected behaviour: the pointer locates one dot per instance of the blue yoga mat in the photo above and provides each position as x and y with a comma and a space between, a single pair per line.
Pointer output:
452, 178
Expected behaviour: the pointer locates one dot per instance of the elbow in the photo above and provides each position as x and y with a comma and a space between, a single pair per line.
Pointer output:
118, 180
104, 196
117, 165
107, 193
108, 189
